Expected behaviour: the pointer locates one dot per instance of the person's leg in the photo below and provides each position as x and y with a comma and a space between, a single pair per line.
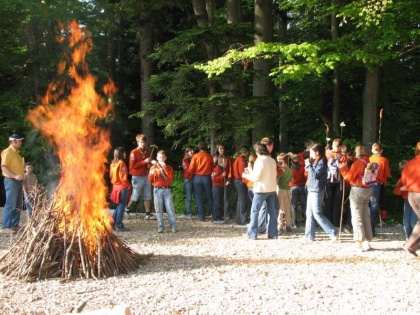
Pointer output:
208, 191
119, 211
329, 201
170, 208
272, 215
158, 200
188, 193
28, 202
263, 218
303, 197
407, 219
356, 207
226, 201
310, 220
217, 202
285, 199
241, 206
11, 215
324, 223
135, 192
257, 202
375, 190
198, 192
336, 211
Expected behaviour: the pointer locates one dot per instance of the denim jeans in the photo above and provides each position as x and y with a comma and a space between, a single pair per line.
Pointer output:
262, 215
164, 196
227, 210
375, 191
409, 219
298, 195
202, 185
218, 194
141, 188
241, 204
13, 204
188, 187
118, 214
28, 201
257, 202
314, 213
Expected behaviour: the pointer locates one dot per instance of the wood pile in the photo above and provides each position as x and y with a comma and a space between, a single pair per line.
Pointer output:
46, 248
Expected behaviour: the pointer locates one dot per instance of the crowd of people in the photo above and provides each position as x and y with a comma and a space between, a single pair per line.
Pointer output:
327, 184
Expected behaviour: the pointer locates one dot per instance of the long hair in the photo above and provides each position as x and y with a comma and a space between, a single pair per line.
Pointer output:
320, 149
417, 150
118, 154
261, 149
188, 149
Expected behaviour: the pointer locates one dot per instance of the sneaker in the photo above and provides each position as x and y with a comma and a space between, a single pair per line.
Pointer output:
174, 230
347, 230
124, 229
365, 246
160, 230
219, 222
189, 217
305, 240
127, 213
333, 239
150, 216
288, 229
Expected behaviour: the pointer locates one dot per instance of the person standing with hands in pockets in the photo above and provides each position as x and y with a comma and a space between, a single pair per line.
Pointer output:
161, 176
13, 171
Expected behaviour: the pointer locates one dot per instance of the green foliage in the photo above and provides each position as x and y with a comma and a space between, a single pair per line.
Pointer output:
178, 193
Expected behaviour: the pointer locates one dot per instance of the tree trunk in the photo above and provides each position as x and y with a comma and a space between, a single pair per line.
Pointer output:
262, 85
283, 106
204, 10
336, 77
146, 48
234, 11
370, 106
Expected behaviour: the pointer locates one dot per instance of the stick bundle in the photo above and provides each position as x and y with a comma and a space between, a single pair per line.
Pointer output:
45, 248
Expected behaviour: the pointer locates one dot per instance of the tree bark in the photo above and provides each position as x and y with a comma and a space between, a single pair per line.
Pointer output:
145, 34
370, 106
336, 76
283, 106
262, 85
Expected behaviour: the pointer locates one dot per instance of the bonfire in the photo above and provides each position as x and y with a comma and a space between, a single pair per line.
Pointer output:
70, 233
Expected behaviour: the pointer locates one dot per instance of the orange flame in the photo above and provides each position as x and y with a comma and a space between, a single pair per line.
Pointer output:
68, 117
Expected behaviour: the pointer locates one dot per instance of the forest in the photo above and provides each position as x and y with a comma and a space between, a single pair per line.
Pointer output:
224, 71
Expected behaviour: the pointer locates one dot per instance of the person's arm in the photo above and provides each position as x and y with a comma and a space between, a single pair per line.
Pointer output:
10, 174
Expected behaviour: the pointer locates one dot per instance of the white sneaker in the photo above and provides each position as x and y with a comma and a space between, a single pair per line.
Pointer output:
365, 246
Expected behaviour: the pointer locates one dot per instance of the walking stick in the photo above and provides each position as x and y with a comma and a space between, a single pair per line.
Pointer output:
381, 114
342, 209
153, 146
224, 192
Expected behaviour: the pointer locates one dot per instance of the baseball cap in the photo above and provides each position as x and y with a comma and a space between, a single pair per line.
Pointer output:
16, 136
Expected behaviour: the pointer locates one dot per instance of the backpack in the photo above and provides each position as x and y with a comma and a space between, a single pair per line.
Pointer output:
370, 173
333, 171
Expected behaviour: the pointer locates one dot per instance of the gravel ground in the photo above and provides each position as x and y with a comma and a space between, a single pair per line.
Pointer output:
214, 269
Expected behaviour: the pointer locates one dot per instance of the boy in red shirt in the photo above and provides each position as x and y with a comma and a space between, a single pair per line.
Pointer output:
161, 176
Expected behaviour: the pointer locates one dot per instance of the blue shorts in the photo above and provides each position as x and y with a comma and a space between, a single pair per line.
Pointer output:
141, 188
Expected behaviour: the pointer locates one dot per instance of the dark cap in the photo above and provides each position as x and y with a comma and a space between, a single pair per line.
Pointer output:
16, 136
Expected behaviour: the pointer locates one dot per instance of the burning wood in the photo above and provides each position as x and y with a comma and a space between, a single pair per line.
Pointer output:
45, 250
69, 234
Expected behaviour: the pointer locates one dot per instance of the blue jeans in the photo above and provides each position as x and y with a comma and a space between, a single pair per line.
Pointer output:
227, 210
164, 196
298, 195
375, 191
141, 188
188, 187
314, 213
202, 185
262, 215
409, 219
28, 201
218, 194
241, 204
13, 204
257, 202
118, 214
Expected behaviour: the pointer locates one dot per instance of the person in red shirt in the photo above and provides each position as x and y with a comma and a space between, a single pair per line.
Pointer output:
201, 167
239, 166
161, 176
297, 188
120, 194
409, 217
410, 183
138, 169
334, 188
219, 182
359, 198
188, 181
220, 152
378, 189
